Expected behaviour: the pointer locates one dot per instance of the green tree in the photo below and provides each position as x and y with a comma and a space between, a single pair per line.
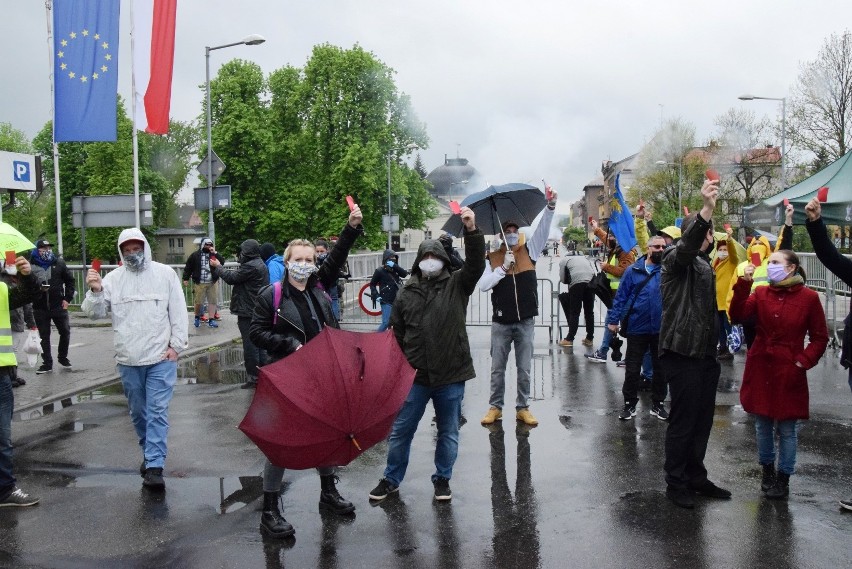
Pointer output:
22, 207
299, 141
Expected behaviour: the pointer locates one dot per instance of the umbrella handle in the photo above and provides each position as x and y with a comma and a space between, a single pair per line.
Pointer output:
354, 441
362, 361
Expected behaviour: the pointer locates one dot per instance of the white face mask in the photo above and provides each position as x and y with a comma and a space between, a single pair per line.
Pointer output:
512, 239
722, 255
431, 267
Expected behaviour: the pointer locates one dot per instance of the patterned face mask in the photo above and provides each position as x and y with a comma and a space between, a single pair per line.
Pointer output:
301, 271
46, 255
135, 261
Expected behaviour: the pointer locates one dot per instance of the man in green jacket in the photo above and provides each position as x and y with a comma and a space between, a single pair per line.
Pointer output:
432, 305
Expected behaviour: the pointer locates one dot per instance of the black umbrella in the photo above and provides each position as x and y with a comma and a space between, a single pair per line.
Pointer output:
496, 205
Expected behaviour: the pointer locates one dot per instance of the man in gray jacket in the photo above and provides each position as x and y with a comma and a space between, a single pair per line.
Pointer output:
688, 338
576, 272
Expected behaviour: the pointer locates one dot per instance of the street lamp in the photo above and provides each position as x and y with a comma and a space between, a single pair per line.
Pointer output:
679, 180
408, 148
253, 39
783, 131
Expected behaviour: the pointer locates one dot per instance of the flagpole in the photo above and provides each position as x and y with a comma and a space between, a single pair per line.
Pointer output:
48, 6
133, 118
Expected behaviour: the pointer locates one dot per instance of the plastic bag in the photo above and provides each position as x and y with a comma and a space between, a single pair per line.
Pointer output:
735, 339
32, 347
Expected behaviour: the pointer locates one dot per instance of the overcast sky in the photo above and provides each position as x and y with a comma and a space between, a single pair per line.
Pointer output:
525, 91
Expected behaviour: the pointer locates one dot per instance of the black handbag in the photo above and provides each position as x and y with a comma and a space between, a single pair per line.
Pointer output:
600, 284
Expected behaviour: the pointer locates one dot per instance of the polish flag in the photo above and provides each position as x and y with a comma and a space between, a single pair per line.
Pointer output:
153, 32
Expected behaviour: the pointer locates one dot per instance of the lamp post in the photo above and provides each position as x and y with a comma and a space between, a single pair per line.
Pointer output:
783, 131
679, 180
408, 148
253, 39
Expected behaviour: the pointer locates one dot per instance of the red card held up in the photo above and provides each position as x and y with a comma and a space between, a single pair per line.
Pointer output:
96, 265
10, 258
755, 259
591, 219
822, 194
786, 202
350, 202
712, 175
685, 210
455, 207
727, 226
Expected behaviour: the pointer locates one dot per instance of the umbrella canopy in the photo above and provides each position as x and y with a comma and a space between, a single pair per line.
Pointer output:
12, 240
330, 401
496, 205
771, 237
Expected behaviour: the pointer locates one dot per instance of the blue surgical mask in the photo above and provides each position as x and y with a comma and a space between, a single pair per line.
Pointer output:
512, 239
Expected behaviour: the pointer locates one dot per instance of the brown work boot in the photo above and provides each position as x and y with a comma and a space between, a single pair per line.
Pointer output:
526, 417
493, 414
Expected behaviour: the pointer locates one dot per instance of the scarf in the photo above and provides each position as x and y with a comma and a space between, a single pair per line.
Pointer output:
796, 279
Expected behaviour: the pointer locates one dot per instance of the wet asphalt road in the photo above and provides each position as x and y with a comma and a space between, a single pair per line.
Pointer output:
581, 490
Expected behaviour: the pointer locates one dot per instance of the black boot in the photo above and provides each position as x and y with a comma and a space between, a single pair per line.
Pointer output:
331, 500
781, 488
768, 479
272, 523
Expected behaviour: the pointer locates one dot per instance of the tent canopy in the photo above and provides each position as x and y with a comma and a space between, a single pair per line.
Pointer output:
837, 176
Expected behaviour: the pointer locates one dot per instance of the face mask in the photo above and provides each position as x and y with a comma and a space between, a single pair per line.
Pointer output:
657, 257
301, 271
10, 269
512, 239
431, 267
776, 273
321, 258
135, 261
722, 255
46, 255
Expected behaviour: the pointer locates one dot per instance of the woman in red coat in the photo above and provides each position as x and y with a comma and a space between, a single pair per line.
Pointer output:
775, 382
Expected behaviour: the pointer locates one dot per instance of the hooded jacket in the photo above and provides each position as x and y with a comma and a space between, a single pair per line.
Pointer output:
149, 313
283, 336
274, 262
192, 269
646, 313
428, 316
59, 278
785, 241
247, 279
688, 286
387, 280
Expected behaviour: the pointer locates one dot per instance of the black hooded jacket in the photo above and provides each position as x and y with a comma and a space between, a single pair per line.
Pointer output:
192, 269
59, 278
283, 336
387, 280
247, 279
428, 317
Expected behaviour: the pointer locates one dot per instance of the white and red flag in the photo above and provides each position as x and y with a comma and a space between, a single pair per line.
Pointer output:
153, 60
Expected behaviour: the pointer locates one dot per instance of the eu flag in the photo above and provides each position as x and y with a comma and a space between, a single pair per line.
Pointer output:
621, 220
85, 81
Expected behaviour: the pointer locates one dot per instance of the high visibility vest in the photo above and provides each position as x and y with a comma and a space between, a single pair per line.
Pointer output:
613, 280
7, 345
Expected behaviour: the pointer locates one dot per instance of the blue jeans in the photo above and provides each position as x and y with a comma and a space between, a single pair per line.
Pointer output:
607, 336
648, 365
788, 431
7, 403
335, 307
149, 390
502, 337
386, 312
447, 401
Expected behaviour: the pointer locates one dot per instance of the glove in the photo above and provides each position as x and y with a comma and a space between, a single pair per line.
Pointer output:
379, 299
508, 260
389, 264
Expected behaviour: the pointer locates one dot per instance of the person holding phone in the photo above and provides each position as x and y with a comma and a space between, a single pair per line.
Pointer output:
775, 382
841, 267
52, 307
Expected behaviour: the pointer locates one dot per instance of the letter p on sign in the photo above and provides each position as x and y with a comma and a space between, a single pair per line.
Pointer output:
20, 171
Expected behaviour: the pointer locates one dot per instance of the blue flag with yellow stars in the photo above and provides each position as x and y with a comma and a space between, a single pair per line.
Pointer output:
85, 56
621, 220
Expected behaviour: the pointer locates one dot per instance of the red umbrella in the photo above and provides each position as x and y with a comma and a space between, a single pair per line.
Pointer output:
330, 401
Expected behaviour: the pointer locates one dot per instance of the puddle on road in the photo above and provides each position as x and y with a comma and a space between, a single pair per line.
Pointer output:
221, 366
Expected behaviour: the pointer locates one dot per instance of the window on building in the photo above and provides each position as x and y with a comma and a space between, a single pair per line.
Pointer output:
171, 243
180, 243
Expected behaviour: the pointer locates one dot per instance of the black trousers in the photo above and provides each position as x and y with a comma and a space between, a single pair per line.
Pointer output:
579, 297
692, 382
59, 317
637, 345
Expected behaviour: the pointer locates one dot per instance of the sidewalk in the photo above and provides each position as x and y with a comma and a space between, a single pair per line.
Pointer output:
93, 359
